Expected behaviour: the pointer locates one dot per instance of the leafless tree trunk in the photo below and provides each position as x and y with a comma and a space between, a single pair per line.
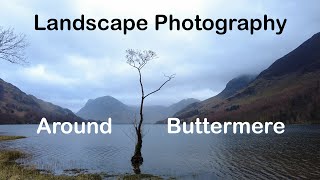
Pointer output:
12, 46
138, 59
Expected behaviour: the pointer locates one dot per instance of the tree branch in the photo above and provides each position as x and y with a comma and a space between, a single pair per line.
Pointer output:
12, 47
169, 79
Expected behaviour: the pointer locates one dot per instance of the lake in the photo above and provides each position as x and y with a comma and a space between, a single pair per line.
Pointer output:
294, 154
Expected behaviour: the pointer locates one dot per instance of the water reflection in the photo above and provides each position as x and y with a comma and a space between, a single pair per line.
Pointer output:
293, 155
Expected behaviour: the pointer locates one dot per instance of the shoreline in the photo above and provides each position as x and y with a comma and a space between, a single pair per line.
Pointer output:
10, 169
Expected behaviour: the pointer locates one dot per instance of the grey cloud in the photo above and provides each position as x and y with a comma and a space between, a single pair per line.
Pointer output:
204, 62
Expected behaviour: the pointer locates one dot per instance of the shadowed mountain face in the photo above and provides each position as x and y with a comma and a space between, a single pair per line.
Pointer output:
235, 85
287, 91
303, 59
231, 88
16, 107
104, 107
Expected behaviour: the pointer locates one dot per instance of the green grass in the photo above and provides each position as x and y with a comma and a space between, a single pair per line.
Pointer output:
7, 138
11, 170
139, 176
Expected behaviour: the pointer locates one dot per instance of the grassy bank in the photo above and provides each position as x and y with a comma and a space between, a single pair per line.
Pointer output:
7, 138
11, 170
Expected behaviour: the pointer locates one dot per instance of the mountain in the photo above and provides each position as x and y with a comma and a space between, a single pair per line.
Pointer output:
152, 114
16, 107
174, 108
303, 59
107, 106
231, 88
104, 107
235, 85
288, 91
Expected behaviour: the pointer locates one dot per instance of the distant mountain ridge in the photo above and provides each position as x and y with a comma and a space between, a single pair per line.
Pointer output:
16, 107
232, 87
103, 107
287, 91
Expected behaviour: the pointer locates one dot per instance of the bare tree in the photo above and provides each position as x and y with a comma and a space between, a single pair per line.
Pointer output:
12, 46
138, 59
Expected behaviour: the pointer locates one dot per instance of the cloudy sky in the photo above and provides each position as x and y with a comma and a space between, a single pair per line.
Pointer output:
70, 67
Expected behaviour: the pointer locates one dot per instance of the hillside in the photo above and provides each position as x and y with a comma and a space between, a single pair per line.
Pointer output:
232, 87
16, 107
152, 114
235, 85
103, 107
287, 91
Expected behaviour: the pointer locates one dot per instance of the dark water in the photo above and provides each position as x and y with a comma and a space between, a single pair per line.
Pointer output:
292, 155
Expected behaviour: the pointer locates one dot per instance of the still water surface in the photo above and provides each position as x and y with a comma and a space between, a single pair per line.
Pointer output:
294, 154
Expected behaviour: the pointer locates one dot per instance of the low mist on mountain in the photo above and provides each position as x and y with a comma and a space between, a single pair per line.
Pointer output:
288, 91
231, 88
104, 107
